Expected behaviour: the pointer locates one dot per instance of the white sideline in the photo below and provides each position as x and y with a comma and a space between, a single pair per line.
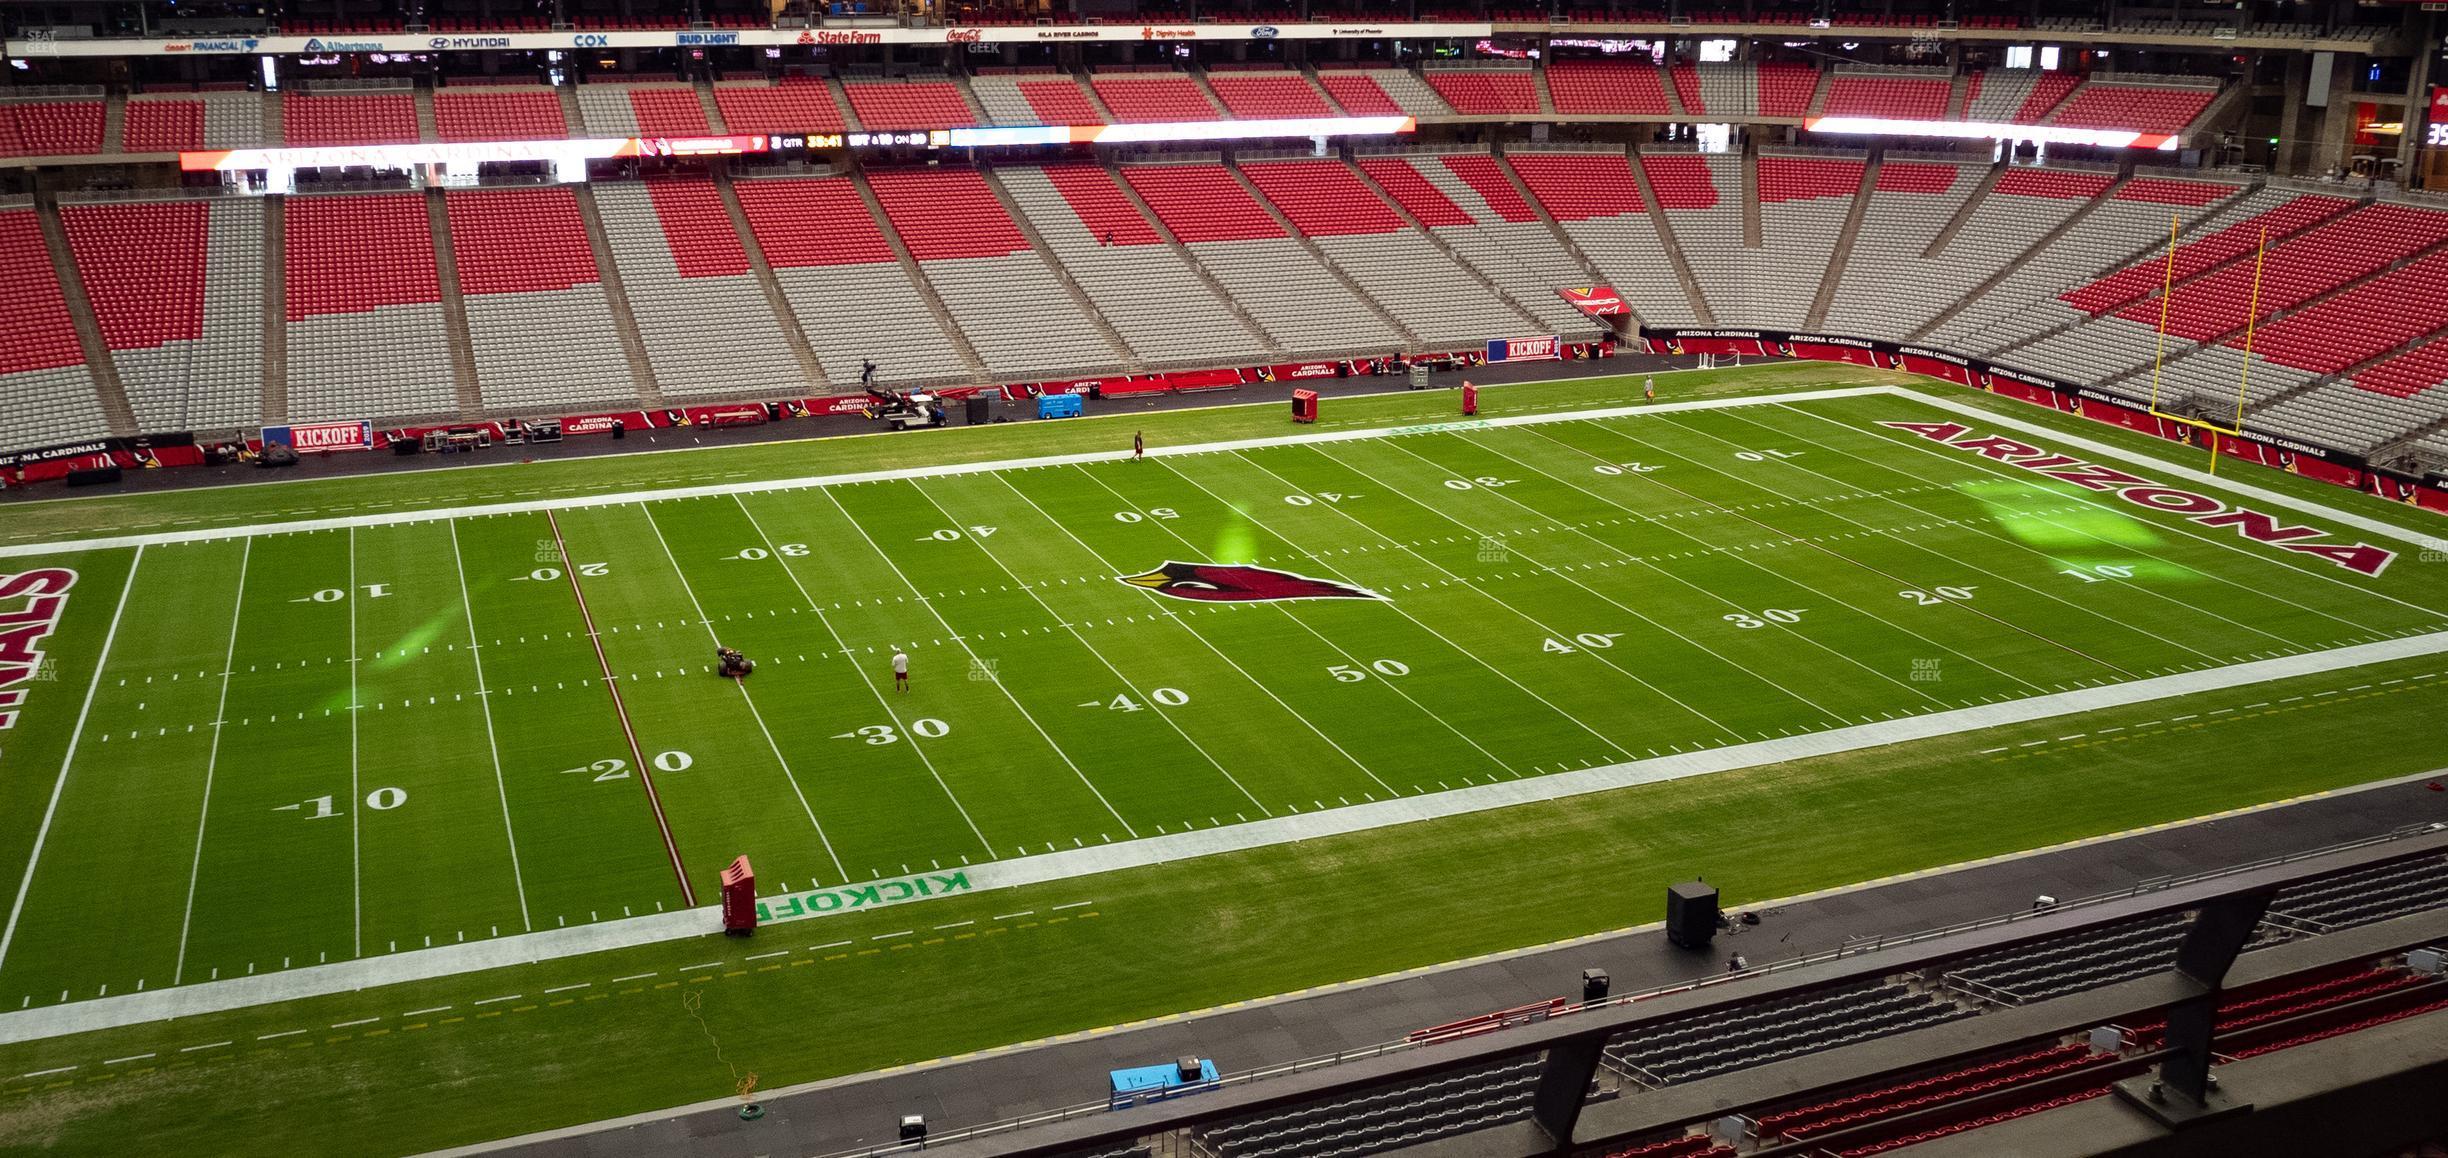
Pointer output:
754, 486
704, 921
552, 944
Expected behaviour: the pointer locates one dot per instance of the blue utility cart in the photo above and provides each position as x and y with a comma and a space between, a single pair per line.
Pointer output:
1156, 1083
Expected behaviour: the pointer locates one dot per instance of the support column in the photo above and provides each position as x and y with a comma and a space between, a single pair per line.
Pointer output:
2182, 1092
2418, 105
1563, 1087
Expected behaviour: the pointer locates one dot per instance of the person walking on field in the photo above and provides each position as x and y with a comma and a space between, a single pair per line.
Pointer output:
1649, 390
900, 666
1138, 445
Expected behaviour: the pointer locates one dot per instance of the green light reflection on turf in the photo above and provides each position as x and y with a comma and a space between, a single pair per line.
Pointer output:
1234, 541
2055, 521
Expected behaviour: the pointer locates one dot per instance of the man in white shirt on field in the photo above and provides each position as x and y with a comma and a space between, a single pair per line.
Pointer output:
900, 666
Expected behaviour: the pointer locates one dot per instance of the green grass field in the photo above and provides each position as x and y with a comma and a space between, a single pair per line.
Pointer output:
322, 746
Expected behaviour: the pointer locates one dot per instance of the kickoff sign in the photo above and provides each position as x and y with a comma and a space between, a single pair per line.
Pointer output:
1542, 349
316, 437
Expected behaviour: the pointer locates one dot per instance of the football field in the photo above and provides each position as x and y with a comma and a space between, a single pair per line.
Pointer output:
278, 749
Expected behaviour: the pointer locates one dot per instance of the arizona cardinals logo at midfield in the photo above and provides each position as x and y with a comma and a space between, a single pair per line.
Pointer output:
1240, 583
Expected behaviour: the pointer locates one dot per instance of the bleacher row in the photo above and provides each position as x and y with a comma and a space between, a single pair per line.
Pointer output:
71, 122
1695, 1047
2056, 271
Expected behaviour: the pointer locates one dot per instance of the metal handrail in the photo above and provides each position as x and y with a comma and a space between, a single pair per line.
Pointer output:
1850, 948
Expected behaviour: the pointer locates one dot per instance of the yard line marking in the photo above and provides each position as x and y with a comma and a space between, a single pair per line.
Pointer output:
359, 1021
1985, 467
1304, 625
1056, 908
283, 1033
1660, 692
356, 858
645, 771
2091, 612
423, 1012
750, 957
882, 701
1621, 553
121, 1060
49, 1072
694, 968
567, 988
494, 1000
1398, 608
955, 925
1042, 734
212, 758
26, 883
576, 502
484, 700
1783, 537
1010, 916
207, 1045
690, 590
821, 948
633, 977
1194, 634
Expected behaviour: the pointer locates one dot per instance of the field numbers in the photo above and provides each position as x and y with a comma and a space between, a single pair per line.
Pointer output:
336, 594
954, 534
1159, 514
1594, 640
1311, 500
786, 550
1166, 697
1936, 595
1765, 455
380, 800
1623, 468
548, 574
1349, 674
1483, 482
2098, 571
614, 768
887, 734
1748, 621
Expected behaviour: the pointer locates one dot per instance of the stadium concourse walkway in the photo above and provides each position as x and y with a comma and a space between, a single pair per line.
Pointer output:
316, 466
848, 1113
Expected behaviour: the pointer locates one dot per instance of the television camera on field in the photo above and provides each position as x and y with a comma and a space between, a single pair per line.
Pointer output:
730, 664
905, 409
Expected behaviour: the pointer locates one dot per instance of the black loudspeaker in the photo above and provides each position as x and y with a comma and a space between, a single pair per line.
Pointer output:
1594, 984
981, 410
620, 430
93, 477
1691, 914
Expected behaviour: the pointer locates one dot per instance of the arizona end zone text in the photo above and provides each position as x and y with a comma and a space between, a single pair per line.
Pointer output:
24, 626
2360, 558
